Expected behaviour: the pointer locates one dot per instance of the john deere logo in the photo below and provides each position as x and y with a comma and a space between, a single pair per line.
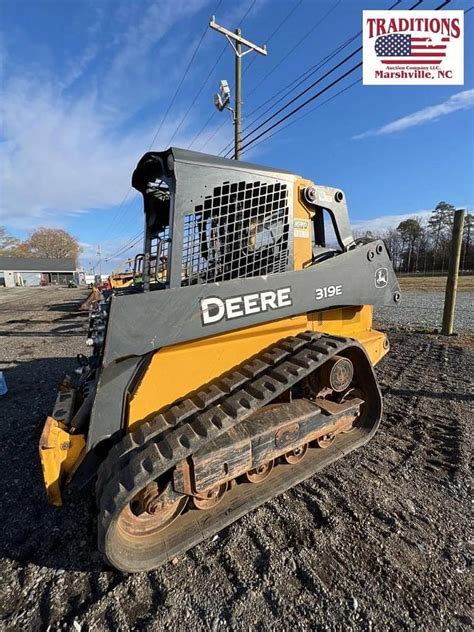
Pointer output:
381, 277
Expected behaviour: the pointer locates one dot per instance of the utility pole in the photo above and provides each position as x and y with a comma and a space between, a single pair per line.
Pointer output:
452, 282
238, 96
100, 260
237, 41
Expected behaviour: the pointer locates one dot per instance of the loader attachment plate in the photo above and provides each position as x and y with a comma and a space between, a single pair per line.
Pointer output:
60, 452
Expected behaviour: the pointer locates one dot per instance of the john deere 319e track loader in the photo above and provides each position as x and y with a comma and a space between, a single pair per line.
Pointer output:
240, 365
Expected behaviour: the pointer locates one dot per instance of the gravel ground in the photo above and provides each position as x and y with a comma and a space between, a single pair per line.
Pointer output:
378, 541
424, 311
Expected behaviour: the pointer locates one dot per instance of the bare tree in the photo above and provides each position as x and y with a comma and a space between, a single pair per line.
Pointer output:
52, 243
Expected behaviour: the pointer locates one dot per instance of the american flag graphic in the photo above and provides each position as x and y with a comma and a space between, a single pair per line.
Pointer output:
406, 49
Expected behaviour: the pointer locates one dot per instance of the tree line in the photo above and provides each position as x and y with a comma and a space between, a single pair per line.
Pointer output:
423, 245
416, 245
51, 243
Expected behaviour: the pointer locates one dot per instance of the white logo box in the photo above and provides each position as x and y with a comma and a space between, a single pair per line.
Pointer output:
413, 48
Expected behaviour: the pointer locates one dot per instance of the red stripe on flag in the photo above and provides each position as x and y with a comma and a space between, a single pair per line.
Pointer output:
428, 55
428, 47
427, 62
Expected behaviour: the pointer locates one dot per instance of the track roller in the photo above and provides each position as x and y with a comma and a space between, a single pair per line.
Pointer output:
326, 440
296, 455
210, 497
260, 473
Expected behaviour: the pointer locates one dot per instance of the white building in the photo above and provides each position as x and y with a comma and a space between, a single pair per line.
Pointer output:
29, 271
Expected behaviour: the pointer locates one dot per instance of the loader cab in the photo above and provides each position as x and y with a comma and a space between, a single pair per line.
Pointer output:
209, 219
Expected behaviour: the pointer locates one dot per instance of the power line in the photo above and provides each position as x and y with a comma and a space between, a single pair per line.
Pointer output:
293, 48
121, 219
249, 9
171, 103
303, 92
193, 56
213, 114
316, 107
318, 67
302, 105
292, 86
309, 100
312, 98
298, 96
267, 40
137, 238
302, 78
274, 32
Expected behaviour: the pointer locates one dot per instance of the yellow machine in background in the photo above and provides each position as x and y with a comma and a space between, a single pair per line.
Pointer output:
120, 279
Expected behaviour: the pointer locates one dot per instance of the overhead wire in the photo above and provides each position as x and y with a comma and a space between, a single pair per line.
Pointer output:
316, 107
274, 32
124, 246
345, 89
292, 86
318, 94
213, 114
259, 139
173, 99
293, 48
298, 96
203, 84
312, 85
129, 246
304, 104
171, 103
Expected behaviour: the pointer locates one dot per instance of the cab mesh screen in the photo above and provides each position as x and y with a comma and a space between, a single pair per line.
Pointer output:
239, 231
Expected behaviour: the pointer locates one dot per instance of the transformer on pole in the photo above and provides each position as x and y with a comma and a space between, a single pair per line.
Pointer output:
222, 99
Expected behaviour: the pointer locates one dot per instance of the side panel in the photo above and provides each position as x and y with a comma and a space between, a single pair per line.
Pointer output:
176, 371
142, 323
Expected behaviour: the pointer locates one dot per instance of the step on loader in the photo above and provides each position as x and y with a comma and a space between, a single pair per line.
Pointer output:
240, 365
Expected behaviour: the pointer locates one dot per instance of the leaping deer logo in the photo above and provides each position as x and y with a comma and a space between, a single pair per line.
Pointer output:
381, 277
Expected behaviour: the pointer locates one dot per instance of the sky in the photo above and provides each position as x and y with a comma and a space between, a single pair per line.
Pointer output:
85, 87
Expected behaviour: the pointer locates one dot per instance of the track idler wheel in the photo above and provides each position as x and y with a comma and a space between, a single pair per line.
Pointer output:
260, 473
210, 497
151, 511
296, 455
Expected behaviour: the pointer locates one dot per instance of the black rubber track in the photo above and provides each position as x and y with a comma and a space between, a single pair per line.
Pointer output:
157, 447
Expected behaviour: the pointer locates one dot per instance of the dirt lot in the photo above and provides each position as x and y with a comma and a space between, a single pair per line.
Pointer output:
376, 541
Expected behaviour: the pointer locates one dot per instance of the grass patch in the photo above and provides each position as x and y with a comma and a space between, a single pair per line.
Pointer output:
465, 283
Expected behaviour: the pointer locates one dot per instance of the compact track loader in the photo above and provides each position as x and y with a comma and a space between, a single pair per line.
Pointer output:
240, 366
